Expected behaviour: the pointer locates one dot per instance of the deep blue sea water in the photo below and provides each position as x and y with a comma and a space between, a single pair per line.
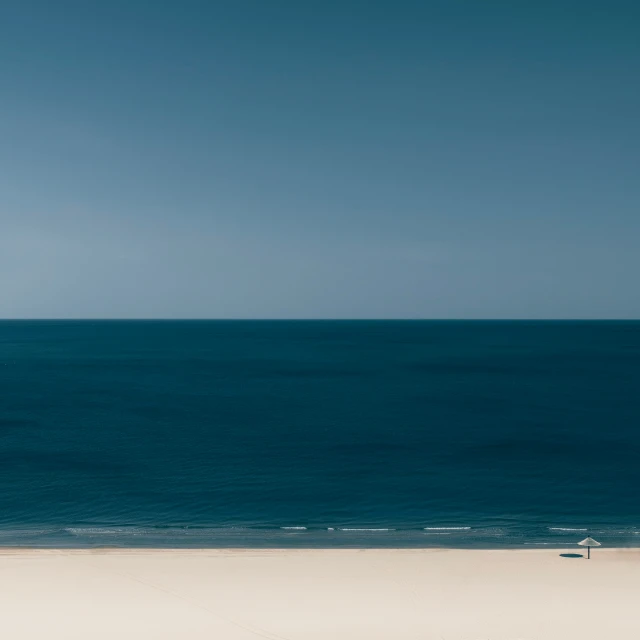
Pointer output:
319, 433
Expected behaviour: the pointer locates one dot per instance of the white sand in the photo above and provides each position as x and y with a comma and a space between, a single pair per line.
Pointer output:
287, 595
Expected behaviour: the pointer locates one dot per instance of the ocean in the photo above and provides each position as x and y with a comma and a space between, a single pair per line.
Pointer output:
319, 434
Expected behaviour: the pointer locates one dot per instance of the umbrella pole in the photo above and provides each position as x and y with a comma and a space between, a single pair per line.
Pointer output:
588, 553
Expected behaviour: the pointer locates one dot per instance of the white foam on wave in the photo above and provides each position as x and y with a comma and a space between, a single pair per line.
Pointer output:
495, 532
613, 532
447, 528
353, 529
294, 528
565, 529
96, 531
26, 532
438, 533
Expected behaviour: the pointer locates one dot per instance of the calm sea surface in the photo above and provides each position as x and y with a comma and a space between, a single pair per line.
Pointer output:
319, 433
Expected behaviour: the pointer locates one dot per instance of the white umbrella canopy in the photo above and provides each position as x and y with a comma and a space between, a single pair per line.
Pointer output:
589, 542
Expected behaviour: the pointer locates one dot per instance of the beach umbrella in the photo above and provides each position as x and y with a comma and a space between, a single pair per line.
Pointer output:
589, 542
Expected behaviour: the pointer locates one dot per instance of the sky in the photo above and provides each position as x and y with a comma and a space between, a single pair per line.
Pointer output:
319, 159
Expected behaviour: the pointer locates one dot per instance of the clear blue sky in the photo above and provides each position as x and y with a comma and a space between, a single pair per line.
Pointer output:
319, 159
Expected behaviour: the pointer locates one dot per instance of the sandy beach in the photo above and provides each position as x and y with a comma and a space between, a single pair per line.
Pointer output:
311, 594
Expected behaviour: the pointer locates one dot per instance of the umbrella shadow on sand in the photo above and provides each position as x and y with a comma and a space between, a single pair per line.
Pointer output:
571, 555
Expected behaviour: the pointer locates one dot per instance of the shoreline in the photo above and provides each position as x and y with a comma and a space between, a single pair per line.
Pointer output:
293, 550
522, 547
498, 535
309, 594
